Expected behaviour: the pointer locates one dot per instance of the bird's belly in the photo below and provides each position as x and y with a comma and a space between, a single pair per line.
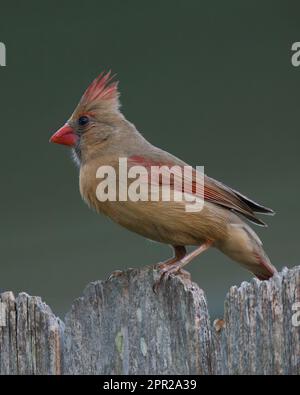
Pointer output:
163, 221
166, 222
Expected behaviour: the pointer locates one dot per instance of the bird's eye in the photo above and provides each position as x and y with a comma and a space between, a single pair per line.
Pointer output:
83, 120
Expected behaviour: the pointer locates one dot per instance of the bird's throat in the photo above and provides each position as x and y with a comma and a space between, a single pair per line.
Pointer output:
76, 154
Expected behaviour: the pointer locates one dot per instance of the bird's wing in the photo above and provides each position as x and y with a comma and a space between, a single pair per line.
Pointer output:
218, 193
214, 191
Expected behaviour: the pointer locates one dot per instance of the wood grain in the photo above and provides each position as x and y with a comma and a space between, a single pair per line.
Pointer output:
120, 326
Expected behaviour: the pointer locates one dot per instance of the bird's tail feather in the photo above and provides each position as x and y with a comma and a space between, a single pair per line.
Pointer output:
244, 246
255, 207
262, 267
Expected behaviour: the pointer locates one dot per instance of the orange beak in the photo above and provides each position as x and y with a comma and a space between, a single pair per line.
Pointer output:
65, 136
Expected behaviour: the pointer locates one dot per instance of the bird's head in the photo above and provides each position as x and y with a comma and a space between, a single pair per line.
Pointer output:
94, 118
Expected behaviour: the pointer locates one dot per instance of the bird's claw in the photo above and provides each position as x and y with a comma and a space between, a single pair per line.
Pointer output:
160, 266
114, 274
167, 272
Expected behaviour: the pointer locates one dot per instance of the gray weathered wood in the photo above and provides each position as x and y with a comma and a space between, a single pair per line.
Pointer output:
258, 335
119, 326
30, 336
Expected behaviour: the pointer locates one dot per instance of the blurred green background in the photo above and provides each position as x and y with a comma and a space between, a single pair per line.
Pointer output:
210, 81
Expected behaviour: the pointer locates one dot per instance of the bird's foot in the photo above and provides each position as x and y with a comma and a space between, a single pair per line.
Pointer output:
165, 264
114, 274
161, 266
167, 271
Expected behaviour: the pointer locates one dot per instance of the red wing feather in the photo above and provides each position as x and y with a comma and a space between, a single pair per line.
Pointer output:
214, 191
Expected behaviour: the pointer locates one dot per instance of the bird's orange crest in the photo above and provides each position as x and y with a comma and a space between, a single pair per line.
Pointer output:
102, 88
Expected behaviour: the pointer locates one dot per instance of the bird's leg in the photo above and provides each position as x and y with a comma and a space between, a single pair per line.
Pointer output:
176, 267
179, 253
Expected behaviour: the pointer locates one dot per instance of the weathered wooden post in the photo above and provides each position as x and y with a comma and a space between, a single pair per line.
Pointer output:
30, 336
2, 54
120, 326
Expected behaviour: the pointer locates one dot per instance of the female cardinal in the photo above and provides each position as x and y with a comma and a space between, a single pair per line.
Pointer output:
99, 135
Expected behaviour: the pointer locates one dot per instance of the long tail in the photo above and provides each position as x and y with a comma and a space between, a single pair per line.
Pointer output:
262, 268
256, 207
244, 246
